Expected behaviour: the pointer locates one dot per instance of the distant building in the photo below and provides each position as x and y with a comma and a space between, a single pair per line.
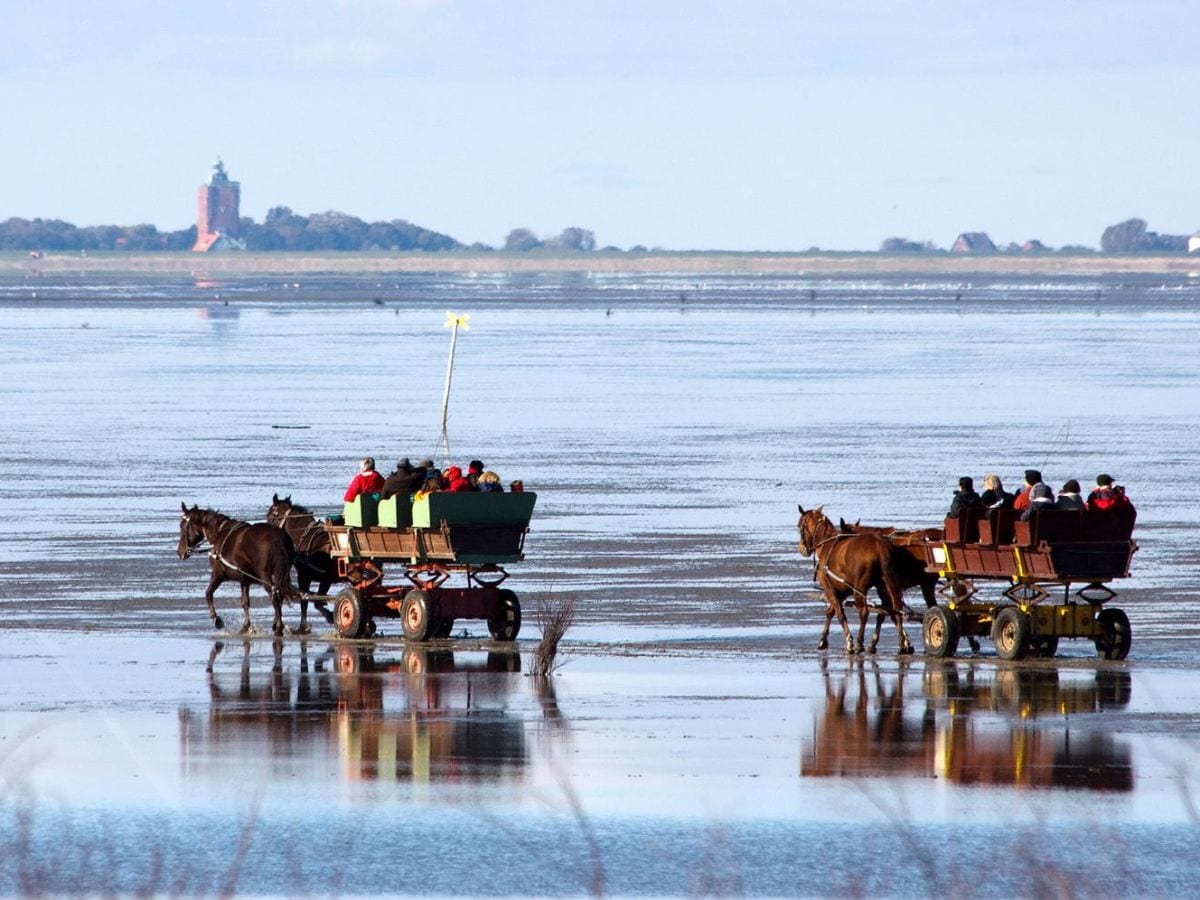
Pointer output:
973, 242
1194, 243
218, 219
1034, 246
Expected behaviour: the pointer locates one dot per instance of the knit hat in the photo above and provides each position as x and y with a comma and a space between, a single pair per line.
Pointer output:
404, 465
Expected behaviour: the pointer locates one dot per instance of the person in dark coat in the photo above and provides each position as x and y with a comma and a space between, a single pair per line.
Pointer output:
964, 498
404, 481
994, 495
1068, 497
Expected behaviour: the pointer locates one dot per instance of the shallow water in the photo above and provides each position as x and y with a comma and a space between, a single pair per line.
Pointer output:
694, 742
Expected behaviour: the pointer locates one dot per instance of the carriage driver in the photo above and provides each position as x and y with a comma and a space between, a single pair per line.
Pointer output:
367, 481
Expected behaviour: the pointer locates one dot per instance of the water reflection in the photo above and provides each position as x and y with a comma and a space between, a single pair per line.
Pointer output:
971, 725
417, 714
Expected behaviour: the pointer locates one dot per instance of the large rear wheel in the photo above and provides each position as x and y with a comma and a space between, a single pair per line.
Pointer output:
1115, 641
1011, 633
940, 631
505, 622
415, 617
349, 615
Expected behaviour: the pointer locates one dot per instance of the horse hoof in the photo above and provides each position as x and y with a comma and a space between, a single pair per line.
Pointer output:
907, 650
823, 644
303, 629
246, 629
218, 623
872, 649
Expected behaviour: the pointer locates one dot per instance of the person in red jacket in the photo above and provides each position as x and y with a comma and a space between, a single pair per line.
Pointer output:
1107, 495
455, 481
367, 481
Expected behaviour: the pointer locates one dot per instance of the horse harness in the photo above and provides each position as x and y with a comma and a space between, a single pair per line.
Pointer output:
820, 566
216, 548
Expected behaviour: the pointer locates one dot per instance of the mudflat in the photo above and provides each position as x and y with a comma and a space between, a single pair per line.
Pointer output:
695, 263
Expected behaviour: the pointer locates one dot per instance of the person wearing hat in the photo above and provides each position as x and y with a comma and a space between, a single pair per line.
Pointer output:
1107, 496
1032, 479
367, 481
404, 481
964, 498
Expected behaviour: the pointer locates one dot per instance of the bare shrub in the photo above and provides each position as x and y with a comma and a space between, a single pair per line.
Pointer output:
554, 616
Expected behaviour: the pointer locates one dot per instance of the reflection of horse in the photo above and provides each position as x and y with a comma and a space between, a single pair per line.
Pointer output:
313, 562
242, 552
849, 565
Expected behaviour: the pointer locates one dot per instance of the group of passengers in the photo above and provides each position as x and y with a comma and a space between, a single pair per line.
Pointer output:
422, 479
1036, 495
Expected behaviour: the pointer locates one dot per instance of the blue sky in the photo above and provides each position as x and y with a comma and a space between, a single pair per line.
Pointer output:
686, 125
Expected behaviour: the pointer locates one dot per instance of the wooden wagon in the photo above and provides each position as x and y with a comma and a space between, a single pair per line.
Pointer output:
430, 540
1052, 552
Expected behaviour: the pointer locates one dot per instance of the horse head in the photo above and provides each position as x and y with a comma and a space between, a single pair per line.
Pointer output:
191, 531
277, 513
810, 525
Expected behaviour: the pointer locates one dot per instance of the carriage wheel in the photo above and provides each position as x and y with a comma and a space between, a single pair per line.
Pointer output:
506, 623
1114, 642
414, 616
349, 616
940, 631
1011, 633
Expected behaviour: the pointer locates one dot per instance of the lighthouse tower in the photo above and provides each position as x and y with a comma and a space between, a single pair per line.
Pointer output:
217, 220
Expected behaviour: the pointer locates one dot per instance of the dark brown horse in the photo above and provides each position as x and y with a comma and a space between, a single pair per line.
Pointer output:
260, 554
313, 562
848, 566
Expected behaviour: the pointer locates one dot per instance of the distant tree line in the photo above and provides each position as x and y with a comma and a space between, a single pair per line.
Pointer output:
1131, 236
55, 234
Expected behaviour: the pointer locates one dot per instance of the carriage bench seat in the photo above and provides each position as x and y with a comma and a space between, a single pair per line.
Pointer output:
470, 508
362, 511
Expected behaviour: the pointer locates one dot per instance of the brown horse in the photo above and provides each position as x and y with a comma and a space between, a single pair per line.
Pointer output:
313, 562
848, 566
262, 554
909, 560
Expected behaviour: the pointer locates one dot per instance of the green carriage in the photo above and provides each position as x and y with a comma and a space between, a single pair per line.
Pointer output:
431, 539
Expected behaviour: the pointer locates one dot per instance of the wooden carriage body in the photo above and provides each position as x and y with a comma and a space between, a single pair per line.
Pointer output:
431, 538
1052, 550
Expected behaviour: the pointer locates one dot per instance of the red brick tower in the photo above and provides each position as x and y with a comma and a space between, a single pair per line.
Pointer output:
217, 222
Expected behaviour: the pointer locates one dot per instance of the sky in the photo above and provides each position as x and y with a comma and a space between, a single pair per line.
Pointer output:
745, 125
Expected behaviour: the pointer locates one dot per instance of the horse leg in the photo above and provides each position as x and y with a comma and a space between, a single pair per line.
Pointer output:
893, 596
836, 603
277, 603
823, 643
245, 606
213, 582
874, 645
863, 615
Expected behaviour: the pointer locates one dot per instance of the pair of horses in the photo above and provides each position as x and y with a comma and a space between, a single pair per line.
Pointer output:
263, 554
850, 561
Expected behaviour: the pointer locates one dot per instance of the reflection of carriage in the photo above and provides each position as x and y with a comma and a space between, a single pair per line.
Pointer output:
972, 726
1053, 549
440, 534
426, 715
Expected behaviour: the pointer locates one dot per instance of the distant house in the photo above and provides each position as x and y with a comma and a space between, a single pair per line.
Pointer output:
973, 242
1034, 246
1194, 243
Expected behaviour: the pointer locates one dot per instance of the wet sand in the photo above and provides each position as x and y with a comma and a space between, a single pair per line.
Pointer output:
694, 741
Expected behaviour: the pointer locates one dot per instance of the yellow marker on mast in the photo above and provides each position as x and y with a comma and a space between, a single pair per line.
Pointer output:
454, 322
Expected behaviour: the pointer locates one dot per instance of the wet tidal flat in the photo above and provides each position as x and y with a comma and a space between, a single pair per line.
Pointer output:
694, 741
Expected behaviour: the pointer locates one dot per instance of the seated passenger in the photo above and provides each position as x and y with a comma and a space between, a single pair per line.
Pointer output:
367, 481
1068, 497
994, 494
964, 498
1032, 477
402, 482
474, 470
432, 485
1040, 497
1107, 496
489, 482
456, 482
